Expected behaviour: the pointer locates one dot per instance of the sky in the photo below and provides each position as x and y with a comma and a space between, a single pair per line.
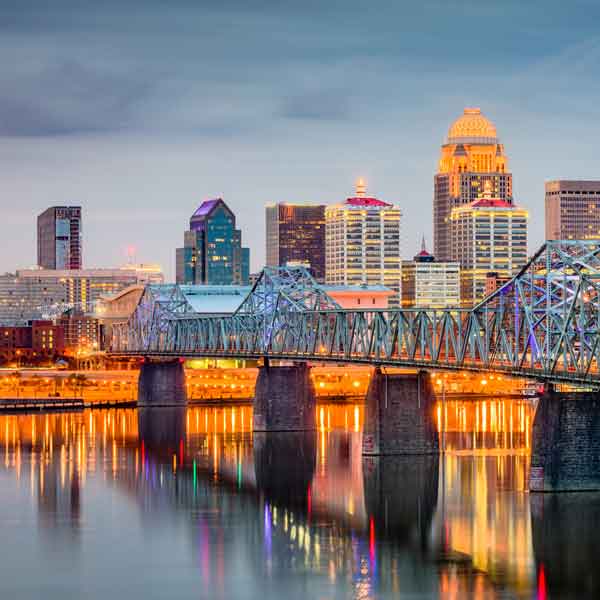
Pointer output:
139, 111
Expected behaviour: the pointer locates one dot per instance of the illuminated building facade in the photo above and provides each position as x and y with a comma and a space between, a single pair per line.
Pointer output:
212, 250
363, 243
81, 332
488, 235
45, 293
427, 283
374, 297
296, 236
59, 238
34, 341
471, 156
572, 210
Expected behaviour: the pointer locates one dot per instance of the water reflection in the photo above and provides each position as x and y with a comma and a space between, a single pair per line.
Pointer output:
137, 494
284, 464
401, 496
162, 429
565, 537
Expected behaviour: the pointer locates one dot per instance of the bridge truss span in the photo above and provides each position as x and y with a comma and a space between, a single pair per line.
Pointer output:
544, 323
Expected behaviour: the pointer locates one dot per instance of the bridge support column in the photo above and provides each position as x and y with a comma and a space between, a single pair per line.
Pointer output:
284, 399
565, 443
162, 384
399, 415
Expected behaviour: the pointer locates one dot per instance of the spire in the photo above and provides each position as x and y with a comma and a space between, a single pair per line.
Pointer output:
424, 256
361, 188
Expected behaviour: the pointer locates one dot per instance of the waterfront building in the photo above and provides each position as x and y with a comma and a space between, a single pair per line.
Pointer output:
81, 332
428, 283
373, 297
295, 235
471, 156
363, 243
488, 235
32, 342
212, 251
59, 238
572, 210
44, 293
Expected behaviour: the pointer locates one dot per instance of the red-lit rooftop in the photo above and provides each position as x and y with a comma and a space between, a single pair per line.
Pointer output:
361, 198
490, 203
364, 201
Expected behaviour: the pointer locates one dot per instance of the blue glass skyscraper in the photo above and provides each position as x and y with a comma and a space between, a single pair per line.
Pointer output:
212, 252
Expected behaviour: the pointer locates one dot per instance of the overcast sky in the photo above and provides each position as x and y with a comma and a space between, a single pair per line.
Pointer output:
138, 111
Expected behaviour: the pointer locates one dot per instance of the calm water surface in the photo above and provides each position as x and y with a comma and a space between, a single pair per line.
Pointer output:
189, 504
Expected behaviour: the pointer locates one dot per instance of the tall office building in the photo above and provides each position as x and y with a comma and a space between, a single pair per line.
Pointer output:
363, 243
212, 250
296, 235
572, 210
471, 156
59, 238
488, 236
427, 283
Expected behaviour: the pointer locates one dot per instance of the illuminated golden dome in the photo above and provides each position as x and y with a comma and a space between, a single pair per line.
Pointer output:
472, 126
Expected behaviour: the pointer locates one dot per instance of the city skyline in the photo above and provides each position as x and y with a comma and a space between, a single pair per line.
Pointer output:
140, 138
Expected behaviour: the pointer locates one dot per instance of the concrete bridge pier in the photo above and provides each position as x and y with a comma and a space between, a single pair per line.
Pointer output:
284, 399
565, 443
162, 383
399, 415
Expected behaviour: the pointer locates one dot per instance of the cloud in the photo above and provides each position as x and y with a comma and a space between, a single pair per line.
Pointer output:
327, 105
68, 97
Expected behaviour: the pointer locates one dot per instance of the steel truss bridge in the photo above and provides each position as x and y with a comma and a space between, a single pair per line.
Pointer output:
542, 324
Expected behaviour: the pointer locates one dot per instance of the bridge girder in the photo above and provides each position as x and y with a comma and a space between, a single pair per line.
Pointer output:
544, 323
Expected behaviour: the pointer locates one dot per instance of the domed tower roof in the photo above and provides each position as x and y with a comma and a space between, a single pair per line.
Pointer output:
472, 127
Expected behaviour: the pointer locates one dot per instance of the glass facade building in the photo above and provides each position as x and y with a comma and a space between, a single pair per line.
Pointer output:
572, 210
471, 158
296, 236
212, 251
59, 238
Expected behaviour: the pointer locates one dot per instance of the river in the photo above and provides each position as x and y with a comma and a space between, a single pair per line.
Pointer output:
163, 503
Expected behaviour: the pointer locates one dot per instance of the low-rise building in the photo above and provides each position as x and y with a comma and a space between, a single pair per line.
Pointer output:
427, 283
374, 297
82, 333
34, 342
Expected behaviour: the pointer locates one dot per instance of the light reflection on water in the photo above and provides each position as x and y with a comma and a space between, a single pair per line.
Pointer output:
162, 503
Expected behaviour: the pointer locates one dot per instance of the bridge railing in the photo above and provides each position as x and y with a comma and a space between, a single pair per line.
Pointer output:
479, 340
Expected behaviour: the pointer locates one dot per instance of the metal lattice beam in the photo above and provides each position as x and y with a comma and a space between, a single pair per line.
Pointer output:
544, 323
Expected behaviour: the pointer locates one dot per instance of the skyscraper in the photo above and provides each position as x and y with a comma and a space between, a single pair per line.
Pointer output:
488, 236
363, 243
572, 210
471, 156
212, 250
59, 238
296, 235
